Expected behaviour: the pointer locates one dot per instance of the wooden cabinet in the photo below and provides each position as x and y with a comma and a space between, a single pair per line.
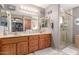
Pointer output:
48, 40
14, 45
8, 49
24, 44
41, 43
33, 43
44, 41
22, 48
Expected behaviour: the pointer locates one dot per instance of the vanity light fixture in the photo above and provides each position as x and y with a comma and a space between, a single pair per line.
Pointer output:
27, 8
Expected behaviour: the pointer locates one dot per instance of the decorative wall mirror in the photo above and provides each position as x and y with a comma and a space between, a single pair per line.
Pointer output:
77, 21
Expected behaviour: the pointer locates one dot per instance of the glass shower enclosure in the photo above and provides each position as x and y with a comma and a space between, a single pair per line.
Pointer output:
65, 29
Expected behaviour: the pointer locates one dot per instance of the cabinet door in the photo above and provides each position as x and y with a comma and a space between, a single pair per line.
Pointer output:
22, 48
33, 43
41, 43
48, 42
8, 49
44, 41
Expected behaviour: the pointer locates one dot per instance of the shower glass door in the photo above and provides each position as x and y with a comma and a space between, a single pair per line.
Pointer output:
65, 30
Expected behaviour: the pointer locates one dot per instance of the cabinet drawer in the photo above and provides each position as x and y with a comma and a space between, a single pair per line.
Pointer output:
45, 36
13, 40
7, 41
33, 37
20, 39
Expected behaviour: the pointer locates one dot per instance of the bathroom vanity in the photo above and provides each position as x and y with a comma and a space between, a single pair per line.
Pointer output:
24, 44
33, 32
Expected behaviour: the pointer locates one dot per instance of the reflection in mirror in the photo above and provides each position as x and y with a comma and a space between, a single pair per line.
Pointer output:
22, 20
3, 18
35, 23
17, 23
44, 22
3, 22
27, 23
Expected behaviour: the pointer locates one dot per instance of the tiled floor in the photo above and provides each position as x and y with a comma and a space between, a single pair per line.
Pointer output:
51, 51
48, 51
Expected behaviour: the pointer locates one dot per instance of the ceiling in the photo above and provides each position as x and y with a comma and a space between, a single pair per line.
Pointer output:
42, 5
62, 6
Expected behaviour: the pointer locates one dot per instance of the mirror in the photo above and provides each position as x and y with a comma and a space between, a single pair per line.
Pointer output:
35, 23
3, 18
24, 23
77, 21
44, 22
19, 21
3, 22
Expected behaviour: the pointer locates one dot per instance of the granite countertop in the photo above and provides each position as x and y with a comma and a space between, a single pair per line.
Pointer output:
18, 35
